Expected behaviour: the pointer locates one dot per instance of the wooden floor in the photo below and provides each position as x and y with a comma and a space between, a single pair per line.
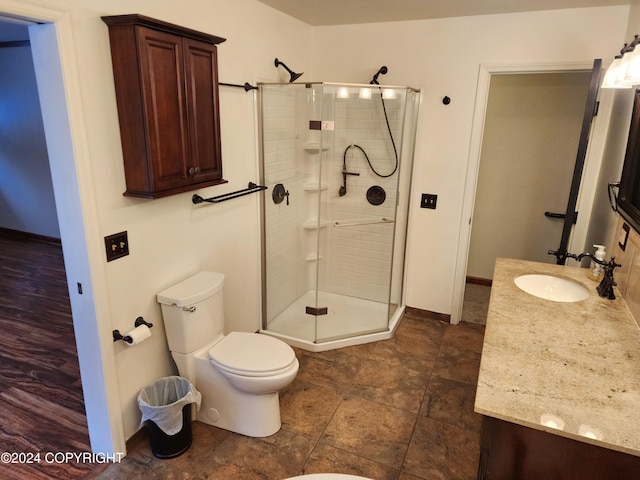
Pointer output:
41, 402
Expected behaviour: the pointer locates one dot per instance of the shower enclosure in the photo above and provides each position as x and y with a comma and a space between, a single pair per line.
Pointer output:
337, 161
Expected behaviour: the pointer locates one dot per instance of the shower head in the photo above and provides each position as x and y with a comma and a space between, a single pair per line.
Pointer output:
294, 75
383, 70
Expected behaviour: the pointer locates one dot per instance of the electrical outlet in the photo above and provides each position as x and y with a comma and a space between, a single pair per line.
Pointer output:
624, 236
429, 200
116, 246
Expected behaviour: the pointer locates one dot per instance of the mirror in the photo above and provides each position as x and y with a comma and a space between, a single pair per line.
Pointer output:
629, 194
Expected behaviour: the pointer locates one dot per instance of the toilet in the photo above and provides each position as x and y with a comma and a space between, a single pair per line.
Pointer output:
240, 374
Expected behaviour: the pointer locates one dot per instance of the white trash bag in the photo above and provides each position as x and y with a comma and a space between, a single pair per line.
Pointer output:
162, 402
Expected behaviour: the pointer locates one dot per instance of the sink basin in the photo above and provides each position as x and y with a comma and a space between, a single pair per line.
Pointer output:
552, 288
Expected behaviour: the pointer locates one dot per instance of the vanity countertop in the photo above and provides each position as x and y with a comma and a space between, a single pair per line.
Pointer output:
578, 361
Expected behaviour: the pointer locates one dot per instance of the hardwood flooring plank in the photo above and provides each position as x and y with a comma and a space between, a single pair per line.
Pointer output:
23, 472
50, 423
41, 401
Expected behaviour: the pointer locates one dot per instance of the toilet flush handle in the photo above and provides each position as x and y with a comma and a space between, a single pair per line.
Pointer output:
189, 309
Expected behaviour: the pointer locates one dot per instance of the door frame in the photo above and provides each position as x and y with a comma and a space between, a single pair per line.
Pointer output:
593, 161
59, 89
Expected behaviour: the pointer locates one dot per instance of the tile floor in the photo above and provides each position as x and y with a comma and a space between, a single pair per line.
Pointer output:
476, 303
399, 409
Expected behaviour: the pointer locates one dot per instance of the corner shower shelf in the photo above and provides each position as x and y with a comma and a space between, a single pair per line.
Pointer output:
314, 147
314, 187
314, 224
312, 257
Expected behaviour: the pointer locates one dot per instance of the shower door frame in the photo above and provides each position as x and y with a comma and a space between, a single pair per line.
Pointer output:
318, 343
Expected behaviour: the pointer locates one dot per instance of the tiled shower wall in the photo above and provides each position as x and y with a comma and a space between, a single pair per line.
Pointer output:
355, 260
362, 255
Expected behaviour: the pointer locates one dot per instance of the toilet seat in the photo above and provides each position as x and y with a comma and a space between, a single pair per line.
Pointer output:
252, 355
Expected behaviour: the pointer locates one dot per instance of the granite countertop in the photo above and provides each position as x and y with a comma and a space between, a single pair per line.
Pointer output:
578, 361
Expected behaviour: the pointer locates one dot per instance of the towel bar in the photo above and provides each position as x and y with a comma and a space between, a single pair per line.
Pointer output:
247, 86
252, 188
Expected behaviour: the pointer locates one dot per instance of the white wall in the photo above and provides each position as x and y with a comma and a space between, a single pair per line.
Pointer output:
26, 191
443, 57
170, 238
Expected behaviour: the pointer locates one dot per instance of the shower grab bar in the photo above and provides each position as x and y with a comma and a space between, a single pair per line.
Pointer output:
366, 221
252, 188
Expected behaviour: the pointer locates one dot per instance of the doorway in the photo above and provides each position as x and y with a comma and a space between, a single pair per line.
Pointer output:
592, 166
54, 59
528, 154
526, 166
39, 354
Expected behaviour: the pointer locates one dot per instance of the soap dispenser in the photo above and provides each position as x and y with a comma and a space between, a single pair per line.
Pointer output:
596, 272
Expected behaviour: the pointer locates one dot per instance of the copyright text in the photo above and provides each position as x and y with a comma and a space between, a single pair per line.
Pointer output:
60, 457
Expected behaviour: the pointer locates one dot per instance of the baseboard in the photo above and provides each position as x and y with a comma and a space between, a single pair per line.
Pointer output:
427, 315
19, 235
485, 282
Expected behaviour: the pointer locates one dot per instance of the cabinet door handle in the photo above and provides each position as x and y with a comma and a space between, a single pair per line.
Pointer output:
198, 170
192, 171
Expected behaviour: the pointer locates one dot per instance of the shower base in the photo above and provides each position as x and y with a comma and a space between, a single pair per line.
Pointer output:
349, 321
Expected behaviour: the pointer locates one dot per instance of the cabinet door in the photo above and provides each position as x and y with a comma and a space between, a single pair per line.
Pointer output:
161, 67
203, 110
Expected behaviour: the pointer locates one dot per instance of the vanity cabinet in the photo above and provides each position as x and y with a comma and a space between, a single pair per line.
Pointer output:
166, 85
509, 451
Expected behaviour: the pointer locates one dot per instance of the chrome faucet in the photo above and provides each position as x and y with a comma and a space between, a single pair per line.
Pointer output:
605, 289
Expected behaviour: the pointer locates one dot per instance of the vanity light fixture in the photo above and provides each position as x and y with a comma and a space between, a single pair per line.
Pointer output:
624, 71
632, 71
611, 76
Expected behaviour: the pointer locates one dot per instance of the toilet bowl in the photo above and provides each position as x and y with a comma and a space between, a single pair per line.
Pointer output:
240, 374
254, 363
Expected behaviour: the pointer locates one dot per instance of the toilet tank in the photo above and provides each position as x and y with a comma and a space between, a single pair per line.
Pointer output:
193, 311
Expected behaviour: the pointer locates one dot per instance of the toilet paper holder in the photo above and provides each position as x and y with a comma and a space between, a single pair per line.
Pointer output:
126, 338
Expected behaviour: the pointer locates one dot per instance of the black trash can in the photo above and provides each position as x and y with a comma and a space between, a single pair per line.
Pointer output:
169, 446
166, 414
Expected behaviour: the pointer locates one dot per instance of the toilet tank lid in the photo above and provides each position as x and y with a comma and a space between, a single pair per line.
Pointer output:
192, 290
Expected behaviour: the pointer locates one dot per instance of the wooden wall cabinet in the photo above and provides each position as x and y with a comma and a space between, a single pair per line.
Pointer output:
166, 80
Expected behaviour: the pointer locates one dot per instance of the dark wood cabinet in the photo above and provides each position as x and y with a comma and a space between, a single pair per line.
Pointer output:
510, 451
166, 80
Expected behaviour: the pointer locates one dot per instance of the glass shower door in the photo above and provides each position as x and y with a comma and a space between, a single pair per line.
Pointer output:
291, 160
360, 174
335, 212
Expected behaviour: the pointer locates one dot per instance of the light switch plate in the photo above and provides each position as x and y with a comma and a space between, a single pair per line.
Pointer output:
429, 200
116, 246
